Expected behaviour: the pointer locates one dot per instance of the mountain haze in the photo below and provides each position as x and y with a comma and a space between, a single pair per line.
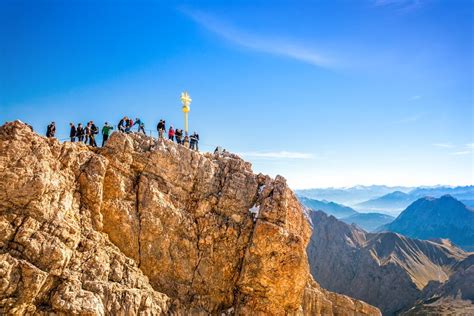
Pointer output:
352, 195
368, 221
331, 208
459, 192
384, 199
391, 202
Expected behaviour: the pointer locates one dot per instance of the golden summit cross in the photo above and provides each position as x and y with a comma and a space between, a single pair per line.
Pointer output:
186, 100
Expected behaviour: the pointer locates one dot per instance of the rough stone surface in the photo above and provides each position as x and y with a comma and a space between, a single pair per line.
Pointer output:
149, 227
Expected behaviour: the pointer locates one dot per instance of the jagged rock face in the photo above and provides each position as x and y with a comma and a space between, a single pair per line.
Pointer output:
150, 227
51, 258
187, 216
387, 270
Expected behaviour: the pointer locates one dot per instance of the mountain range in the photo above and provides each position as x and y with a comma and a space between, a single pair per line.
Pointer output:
388, 270
335, 209
351, 195
385, 199
393, 202
367, 221
443, 217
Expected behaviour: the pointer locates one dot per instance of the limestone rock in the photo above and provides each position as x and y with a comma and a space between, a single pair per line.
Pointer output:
149, 227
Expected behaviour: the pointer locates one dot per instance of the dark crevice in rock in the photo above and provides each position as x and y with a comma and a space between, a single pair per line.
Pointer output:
139, 219
241, 266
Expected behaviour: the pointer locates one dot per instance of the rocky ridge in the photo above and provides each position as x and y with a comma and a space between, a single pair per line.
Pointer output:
149, 227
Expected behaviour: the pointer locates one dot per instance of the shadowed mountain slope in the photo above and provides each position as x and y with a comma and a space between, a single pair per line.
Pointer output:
387, 270
429, 218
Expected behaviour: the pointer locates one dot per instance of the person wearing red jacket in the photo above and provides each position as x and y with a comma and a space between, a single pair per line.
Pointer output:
171, 134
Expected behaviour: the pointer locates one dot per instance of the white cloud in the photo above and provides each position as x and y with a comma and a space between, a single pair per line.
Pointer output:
470, 145
415, 97
460, 153
271, 45
444, 145
277, 155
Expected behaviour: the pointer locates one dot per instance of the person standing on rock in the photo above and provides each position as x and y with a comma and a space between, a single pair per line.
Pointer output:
192, 141
179, 136
94, 131
171, 134
80, 132
121, 124
128, 125
106, 132
141, 125
72, 132
186, 141
195, 141
51, 130
87, 132
161, 128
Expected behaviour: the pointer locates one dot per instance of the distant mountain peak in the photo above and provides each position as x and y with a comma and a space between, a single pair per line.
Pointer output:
433, 218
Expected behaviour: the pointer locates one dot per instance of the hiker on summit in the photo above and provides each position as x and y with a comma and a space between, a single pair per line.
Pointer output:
51, 130
141, 125
122, 123
179, 136
128, 126
161, 127
186, 141
87, 132
171, 133
94, 131
72, 132
80, 132
194, 140
106, 132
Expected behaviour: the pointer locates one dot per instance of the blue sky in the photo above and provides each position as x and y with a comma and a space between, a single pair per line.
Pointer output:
325, 93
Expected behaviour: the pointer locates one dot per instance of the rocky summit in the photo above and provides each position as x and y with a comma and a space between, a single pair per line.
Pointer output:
146, 226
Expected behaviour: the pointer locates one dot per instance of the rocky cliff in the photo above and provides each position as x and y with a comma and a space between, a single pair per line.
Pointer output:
388, 270
149, 227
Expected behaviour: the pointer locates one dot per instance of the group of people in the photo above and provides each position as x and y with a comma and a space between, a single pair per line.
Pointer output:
88, 133
125, 125
188, 141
